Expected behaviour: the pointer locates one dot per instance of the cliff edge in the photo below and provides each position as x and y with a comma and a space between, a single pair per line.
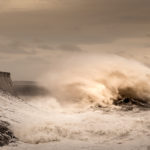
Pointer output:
6, 82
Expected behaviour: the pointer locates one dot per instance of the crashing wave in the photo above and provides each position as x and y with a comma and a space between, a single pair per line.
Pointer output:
88, 80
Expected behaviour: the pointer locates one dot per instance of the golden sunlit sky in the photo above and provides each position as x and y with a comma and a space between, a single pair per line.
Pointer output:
36, 33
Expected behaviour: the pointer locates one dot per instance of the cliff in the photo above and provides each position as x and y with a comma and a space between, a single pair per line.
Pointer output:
6, 82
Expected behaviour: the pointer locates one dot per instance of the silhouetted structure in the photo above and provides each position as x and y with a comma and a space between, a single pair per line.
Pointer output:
6, 82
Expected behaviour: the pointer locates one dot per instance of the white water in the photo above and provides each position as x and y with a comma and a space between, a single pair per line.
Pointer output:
84, 80
69, 119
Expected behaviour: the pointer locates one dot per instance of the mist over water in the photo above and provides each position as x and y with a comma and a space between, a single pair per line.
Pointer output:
77, 85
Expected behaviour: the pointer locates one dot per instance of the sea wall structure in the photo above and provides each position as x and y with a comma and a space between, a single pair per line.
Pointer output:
6, 82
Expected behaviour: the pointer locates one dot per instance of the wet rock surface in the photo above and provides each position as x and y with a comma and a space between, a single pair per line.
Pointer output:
6, 135
129, 103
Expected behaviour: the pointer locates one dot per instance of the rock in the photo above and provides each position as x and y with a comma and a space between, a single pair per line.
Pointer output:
6, 84
6, 135
130, 102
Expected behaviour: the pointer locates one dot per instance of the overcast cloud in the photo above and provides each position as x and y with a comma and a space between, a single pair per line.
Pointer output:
46, 29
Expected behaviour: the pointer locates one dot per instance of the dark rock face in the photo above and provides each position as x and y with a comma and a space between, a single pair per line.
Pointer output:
6, 135
129, 103
6, 82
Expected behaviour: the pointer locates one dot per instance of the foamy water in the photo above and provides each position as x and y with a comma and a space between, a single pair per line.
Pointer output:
93, 79
70, 118
36, 124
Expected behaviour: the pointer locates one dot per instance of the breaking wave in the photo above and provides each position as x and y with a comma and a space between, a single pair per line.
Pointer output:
98, 80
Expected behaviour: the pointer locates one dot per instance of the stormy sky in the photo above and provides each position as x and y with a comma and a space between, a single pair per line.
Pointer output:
35, 33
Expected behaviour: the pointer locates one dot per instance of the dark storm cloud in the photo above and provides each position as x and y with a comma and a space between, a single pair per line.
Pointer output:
80, 22
15, 47
46, 47
148, 34
69, 47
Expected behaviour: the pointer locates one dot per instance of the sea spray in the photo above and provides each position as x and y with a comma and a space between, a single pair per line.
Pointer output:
85, 80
